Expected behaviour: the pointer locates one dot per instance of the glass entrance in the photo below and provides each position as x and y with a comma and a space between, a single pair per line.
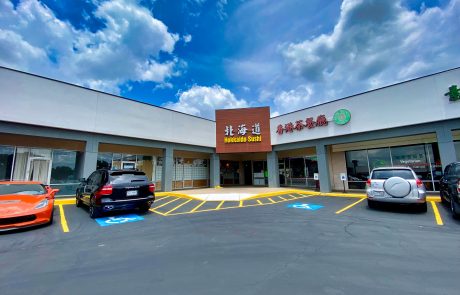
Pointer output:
39, 169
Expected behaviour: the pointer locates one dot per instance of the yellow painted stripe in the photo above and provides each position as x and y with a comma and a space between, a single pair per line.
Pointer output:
162, 198
349, 206
65, 227
437, 216
282, 198
271, 200
157, 212
199, 205
258, 201
177, 207
241, 204
225, 208
157, 207
293, 197
220, 205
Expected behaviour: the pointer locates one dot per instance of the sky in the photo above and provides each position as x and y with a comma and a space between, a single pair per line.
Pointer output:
196, 56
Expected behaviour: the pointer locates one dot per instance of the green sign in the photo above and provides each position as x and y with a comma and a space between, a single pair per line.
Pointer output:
342, 117
454, 93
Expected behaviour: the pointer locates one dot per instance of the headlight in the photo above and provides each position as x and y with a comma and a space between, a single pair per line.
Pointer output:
42, 204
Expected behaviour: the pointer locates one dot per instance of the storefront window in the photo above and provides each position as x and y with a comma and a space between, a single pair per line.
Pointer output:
116, 162
104, 161
379, 158
63, 169
457, 149
413, 156
6, 162
357, 169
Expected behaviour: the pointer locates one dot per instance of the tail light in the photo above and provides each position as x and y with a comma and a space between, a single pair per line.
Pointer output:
368, 182
419, 183
152, 187
106, 190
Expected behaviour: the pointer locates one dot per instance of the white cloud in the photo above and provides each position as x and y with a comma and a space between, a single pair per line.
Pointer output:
376, 43
187, 38
203, 101
295, 99
125, 49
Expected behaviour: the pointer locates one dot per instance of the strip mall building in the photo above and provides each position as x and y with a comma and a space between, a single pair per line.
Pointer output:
56, 133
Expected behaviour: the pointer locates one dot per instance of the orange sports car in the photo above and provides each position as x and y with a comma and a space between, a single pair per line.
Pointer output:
25, 204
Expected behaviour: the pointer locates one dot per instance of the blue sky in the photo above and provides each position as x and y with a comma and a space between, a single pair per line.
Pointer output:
198, 55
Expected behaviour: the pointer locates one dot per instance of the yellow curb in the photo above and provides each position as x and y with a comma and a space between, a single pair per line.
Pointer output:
66, 201
433, 199
286, 192
178, 195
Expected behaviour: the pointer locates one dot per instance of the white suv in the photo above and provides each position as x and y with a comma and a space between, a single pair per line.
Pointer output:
395, 185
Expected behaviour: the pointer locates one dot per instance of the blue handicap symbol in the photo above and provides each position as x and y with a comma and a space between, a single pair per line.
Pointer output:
305, 206
120, 219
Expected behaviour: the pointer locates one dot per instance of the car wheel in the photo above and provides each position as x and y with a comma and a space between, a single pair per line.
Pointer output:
423, 207
77, 201
371, 204
454, 209
144, 208
52, 217
443, 199
93, 210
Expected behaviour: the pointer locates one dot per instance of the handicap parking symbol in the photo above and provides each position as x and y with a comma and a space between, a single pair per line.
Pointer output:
120, 219
305, 206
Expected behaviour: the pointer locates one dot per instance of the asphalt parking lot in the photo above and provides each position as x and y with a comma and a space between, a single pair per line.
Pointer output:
293, 244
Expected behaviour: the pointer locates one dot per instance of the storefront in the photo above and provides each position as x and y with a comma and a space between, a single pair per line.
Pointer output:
331, 146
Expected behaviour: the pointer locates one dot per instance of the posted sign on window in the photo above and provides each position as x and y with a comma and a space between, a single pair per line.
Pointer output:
243, 130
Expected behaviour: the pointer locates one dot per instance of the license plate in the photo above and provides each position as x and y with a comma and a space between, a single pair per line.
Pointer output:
131, 193
378, 194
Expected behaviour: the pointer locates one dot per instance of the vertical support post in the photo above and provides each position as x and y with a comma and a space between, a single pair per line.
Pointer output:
273, 173
168, 166
214, 170
88, 160
446, 146
323, 168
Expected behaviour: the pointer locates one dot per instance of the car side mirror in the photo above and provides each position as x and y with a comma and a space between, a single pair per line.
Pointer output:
52, 192
83, 180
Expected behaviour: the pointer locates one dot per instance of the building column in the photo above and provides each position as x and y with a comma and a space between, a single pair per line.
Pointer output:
273, 173
323, 168
446, 146
214, 170
167, 172
88, 160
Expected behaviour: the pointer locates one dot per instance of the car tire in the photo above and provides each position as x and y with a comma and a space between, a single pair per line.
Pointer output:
93, 210
77, 201
51, 217
144, 208
454, 209
371, 204
423, 208
443, 199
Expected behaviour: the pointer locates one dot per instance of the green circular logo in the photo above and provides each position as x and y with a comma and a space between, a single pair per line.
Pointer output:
342, 117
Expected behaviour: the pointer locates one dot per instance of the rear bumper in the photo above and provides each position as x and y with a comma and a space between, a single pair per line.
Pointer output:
108, 206
420, 199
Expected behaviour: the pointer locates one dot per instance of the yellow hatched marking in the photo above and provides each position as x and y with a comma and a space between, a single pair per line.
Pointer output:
258, 201
158, 207
162, 198
65, 227
271, 200
220, 205
349, 206
284, 199
199, 205
157, 212
293, 197
177, 207
437, 216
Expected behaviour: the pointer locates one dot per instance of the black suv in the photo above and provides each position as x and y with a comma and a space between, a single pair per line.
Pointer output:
450, 188
111, 190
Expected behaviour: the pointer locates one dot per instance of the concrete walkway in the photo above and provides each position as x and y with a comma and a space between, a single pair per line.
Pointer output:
237, 193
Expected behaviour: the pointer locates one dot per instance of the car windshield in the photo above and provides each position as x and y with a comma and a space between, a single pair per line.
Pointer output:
21, 189
385, 174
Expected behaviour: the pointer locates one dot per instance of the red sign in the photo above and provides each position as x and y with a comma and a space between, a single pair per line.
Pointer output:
299, 125
243, 130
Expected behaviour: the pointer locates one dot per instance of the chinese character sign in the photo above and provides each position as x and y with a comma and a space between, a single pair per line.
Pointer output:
243, 130
341, 117
454, 93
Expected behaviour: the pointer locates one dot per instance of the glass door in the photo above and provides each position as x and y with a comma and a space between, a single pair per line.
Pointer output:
39, 169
